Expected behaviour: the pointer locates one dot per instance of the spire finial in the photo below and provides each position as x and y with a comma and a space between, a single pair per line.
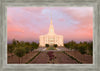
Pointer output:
51, 18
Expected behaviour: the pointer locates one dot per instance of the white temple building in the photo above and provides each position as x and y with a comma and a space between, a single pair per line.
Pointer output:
51, 38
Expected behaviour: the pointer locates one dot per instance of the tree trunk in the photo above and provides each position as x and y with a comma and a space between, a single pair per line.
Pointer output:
12, 55
19, 60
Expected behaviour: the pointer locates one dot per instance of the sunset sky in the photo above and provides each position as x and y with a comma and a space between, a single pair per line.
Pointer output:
28, 23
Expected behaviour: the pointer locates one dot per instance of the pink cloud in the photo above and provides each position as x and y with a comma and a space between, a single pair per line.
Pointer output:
61, 19
85, 18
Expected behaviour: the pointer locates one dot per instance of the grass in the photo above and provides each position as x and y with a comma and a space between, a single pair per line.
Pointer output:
51, 48
72, 57
33, 57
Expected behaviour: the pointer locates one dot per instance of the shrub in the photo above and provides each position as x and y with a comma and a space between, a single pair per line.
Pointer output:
47, 45
55, 45
51, 55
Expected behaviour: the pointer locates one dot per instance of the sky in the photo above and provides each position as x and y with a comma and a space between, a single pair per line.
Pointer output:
28, 23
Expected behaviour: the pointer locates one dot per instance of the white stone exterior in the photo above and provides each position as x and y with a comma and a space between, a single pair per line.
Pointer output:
51, 38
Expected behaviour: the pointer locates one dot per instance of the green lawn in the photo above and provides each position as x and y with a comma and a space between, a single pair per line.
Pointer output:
51, 48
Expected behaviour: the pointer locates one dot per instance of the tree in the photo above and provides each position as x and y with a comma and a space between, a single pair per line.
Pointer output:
22, 43
47, 45
82, 48
27, 43
67, 45
72, 45
14, 42
35, 45
20, 52
90, 47
27, 49
55, 45
10, 48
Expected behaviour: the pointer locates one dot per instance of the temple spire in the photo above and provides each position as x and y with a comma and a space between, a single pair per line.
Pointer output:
51, 19
51, 28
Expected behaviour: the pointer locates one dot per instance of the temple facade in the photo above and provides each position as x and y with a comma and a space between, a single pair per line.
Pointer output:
51, 38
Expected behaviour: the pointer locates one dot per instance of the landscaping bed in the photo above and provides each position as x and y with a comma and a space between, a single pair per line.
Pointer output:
84, 58
15, 60
62, 58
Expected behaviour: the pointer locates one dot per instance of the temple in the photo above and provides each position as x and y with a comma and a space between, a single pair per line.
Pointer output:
51, 38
